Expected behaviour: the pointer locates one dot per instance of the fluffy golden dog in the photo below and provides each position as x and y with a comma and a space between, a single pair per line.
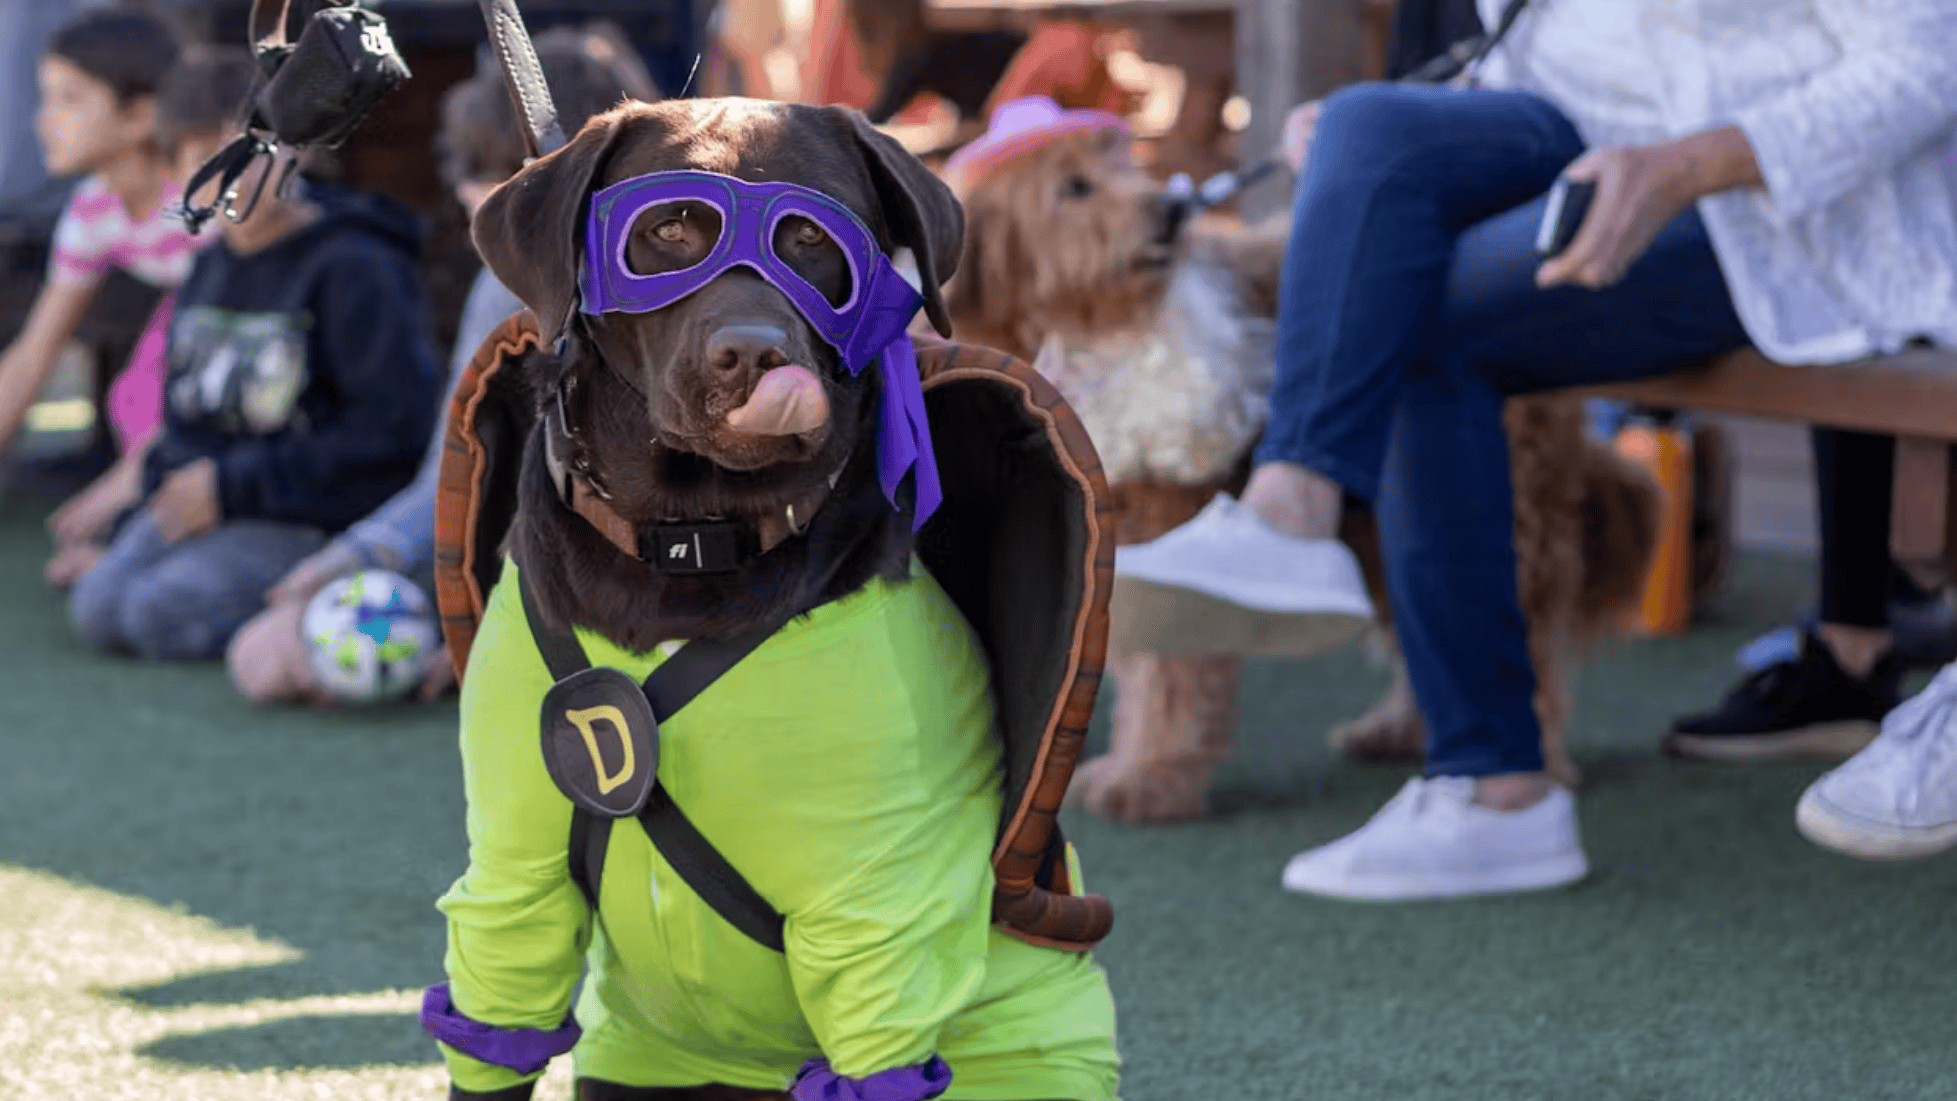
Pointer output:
1161, 335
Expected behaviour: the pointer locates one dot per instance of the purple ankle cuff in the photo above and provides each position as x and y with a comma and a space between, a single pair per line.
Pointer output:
816, 1082
523, 1050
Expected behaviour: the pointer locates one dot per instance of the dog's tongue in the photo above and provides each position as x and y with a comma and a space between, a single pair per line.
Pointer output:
786, 402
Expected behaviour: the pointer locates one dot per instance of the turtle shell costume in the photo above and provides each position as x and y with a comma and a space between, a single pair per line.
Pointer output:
884, 956
1022, 546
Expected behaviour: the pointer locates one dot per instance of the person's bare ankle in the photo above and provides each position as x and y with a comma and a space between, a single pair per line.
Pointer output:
1856, 649
1299, 502
1512, 791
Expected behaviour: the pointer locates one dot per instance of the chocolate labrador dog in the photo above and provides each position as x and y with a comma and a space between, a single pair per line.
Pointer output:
726, 424
726, 406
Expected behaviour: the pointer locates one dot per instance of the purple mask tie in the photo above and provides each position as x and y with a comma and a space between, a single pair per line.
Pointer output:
871, 326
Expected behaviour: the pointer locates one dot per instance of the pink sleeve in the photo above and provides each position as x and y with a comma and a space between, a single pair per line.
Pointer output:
82, 251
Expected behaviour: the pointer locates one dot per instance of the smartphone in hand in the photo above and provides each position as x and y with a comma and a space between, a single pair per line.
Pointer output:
1569, 200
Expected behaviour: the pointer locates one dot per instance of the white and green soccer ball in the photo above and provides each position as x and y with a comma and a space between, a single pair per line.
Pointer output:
369, 636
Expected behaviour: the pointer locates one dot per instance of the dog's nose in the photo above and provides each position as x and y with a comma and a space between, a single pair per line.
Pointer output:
1171, 211
747, 347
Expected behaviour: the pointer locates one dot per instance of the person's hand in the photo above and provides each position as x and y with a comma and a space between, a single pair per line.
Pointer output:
441, 676
1298, 128
329, 563
87, 515
186, 504
1639, 190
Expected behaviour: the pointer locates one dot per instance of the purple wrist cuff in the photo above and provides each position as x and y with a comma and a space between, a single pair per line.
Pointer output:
523, 1050
816, 1082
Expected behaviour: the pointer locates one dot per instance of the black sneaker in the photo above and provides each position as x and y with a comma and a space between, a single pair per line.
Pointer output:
1923, 622
1804, 707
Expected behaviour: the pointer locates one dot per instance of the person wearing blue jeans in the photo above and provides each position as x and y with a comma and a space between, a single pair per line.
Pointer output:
1413, 302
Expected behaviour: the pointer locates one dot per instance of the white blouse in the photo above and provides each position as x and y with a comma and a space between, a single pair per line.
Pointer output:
1851, 109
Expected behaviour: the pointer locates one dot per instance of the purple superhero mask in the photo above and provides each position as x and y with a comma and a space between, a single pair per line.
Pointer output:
873, 324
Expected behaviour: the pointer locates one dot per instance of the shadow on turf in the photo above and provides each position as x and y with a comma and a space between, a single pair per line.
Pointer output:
320, 1042
288, 979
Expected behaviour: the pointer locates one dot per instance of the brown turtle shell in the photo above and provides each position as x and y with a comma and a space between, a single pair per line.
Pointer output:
1024, 545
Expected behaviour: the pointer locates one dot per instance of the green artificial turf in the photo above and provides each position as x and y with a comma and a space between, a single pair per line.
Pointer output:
199, 898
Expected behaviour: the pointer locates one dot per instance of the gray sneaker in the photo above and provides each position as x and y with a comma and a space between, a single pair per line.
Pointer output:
1897, 798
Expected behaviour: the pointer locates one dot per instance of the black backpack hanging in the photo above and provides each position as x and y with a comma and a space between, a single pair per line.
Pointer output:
326, 65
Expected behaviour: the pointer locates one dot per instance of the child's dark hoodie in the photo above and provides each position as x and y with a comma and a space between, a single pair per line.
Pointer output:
306, 370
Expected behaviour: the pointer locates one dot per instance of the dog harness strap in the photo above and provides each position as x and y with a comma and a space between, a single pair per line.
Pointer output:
694, 668
591, 836
676, 682
716, 881
561, 653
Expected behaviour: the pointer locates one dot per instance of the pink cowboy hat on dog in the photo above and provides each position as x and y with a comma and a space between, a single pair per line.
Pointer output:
1023, 125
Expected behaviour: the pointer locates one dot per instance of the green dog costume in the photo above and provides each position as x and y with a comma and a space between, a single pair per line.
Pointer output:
848, 768
883, 772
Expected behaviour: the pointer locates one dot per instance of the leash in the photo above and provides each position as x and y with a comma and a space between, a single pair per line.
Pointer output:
523, 75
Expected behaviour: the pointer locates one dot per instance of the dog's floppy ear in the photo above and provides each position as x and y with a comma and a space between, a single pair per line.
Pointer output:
919, 209
530, 231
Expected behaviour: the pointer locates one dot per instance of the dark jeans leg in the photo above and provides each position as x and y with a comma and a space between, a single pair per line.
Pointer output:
186, 600
192, 602
95, 604
1446, 505
1396, 174
1855, 476
1409, 311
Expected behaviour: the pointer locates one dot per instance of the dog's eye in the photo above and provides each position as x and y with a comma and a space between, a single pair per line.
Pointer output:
1077, 187
672, 229
809, 235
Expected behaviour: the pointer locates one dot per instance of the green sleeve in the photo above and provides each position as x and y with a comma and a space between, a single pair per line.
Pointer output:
885, 963
517, 924
896, 943
882, 963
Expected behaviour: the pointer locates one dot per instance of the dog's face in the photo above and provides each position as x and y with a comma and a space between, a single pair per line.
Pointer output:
1074, 234
727, 402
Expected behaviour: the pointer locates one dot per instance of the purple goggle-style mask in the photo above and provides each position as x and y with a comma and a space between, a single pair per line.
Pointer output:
871, 325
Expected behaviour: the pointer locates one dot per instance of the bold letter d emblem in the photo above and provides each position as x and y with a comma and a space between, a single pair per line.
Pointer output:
600, 741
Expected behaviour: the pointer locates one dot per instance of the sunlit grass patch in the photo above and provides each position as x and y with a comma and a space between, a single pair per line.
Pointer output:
66, 1031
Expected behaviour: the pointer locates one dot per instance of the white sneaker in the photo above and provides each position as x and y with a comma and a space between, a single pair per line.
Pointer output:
1897, 798
1433, 841
1226, 582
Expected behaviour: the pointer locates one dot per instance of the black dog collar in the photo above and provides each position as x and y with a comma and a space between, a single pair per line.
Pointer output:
707, 546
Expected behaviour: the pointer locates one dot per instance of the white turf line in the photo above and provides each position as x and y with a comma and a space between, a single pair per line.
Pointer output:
64, 949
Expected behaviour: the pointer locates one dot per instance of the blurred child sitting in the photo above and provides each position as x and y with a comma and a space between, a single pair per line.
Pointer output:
301, 389
588, 72
98, 78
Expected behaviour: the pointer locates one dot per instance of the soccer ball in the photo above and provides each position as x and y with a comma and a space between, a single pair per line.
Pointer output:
369, 636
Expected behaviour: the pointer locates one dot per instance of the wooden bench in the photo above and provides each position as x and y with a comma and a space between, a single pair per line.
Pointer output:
1911, 395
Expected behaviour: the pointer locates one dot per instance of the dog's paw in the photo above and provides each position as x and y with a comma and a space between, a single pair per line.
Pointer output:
1384, 735
1140, 793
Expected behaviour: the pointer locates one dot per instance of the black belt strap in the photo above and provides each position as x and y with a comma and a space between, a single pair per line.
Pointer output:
672, 685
